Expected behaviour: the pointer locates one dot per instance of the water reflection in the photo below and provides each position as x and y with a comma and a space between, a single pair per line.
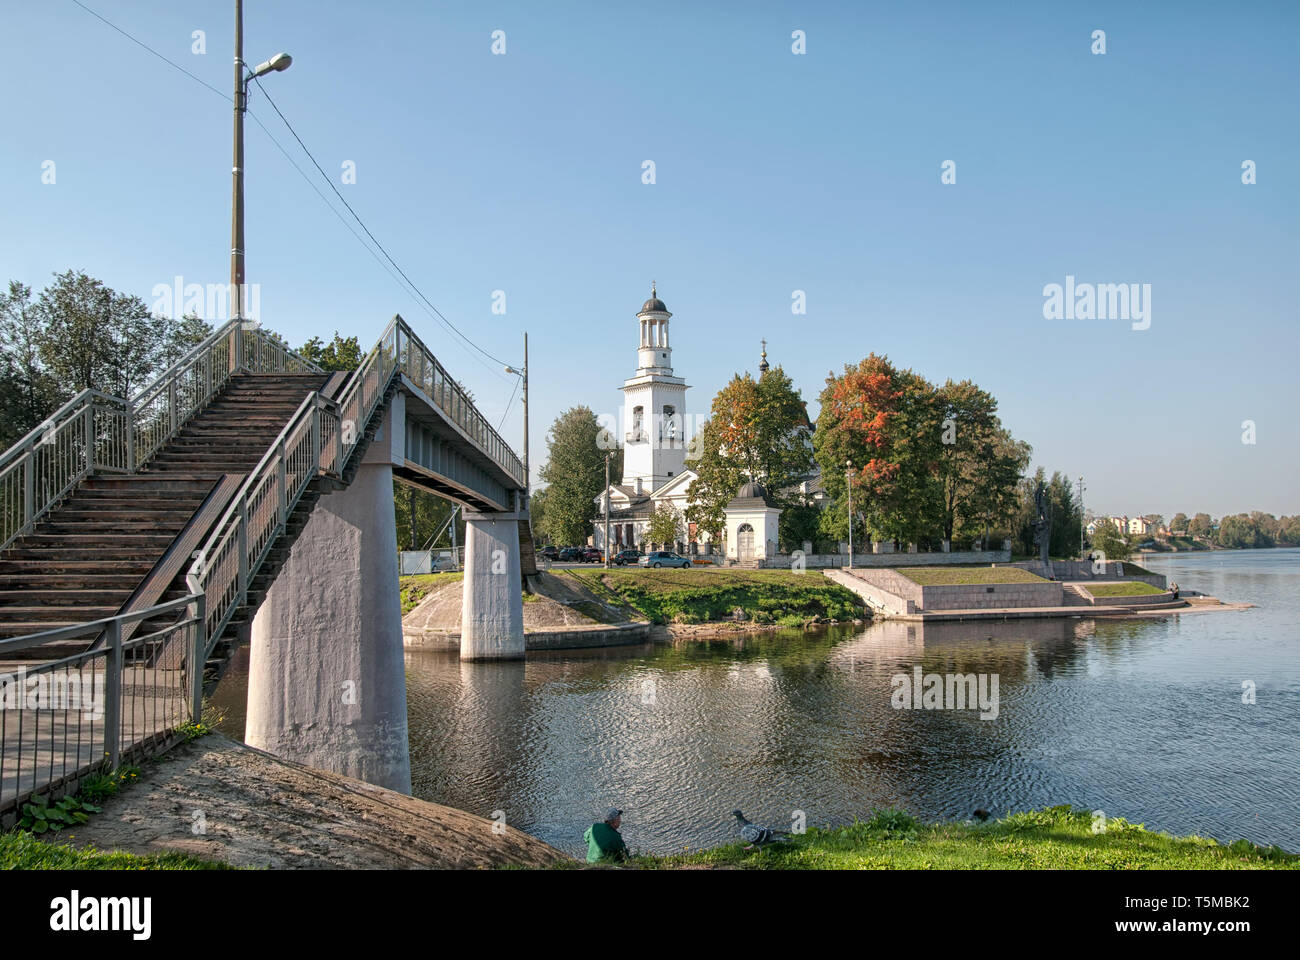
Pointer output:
1140, 718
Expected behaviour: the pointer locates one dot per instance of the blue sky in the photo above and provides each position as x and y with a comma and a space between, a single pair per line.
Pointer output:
775, 173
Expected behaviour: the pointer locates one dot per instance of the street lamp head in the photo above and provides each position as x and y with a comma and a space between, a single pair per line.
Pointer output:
514, 371
279, 63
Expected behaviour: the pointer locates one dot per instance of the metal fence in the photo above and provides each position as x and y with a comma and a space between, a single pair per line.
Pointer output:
63, 719
153, 683
94, 431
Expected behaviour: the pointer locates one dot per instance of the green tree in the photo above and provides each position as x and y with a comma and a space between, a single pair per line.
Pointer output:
717, 480
665, 526
342, 353
93, 336
420, 516
1201, 525
757, 429
979, 463
1179, 523
28, 392
1110, 542
575, 474
886, 422
179, 337
537, 514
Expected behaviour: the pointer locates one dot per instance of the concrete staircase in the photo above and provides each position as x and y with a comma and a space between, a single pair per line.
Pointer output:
93, 552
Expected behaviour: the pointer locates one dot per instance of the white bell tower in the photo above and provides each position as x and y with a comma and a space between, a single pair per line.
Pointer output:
654, 405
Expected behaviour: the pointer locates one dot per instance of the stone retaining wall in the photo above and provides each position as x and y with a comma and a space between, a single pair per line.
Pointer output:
822, 561
973, 596
1142, 600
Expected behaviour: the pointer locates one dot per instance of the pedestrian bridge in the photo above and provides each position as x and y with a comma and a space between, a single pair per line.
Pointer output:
245, 496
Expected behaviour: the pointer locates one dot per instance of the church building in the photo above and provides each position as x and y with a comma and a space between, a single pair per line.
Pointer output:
656, 451
655, 441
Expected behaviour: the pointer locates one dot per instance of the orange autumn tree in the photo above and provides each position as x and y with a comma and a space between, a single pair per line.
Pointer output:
885, 421
757, 429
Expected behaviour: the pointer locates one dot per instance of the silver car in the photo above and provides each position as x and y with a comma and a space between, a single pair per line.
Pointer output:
663, 558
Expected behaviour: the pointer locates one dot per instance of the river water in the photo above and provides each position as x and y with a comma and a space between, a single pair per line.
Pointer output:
1143, 719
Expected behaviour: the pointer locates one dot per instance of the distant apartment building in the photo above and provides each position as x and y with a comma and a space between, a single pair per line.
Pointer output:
1138, 526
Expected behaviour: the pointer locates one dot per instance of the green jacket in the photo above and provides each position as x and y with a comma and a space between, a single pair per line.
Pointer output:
604, 844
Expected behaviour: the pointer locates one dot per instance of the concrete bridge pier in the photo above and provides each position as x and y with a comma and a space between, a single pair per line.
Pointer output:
327, 681
492, 605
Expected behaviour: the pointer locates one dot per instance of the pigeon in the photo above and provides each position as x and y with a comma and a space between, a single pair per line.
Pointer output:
755, 835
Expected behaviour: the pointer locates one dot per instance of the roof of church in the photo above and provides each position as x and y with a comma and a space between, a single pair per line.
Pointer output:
750, 495
654, 304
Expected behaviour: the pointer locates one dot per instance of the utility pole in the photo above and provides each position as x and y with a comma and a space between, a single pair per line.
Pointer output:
523, 375
280, 61
237, 171
1081, 526
528, 486
606, 543
848, 476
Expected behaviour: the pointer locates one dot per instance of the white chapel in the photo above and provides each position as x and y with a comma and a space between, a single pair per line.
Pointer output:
655, 439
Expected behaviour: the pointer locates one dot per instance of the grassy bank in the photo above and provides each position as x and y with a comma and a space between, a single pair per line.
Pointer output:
22, 851
1058, 838
1131, 588
703, 596
946, 576
416, 587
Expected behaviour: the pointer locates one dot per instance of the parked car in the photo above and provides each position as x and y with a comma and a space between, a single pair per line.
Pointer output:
593, 555
624, 557
549, 553
570, 555
663, 558
442, 563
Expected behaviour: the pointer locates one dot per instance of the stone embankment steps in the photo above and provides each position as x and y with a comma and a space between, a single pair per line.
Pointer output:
85, 559
1072, 596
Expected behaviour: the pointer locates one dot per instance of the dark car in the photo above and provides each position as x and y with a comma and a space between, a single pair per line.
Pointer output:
549, 553
593, 555
663, 558
624, 557
570, 555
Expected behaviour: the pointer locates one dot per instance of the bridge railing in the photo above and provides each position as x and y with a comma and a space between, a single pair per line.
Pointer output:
95, 431
64, 719
87, 432
423, 369
310, 444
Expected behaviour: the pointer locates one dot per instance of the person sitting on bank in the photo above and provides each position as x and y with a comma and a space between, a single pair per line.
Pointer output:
604, 842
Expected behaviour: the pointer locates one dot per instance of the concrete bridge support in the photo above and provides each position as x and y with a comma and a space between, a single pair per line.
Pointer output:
492, 606
327, 681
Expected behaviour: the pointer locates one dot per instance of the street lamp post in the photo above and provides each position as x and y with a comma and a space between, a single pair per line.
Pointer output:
279, 62
1081, 527
848, 476
606, 543
523, 375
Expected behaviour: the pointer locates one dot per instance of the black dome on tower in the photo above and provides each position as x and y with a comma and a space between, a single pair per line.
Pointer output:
654, 304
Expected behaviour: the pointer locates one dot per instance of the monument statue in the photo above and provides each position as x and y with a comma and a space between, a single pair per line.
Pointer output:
1043, 524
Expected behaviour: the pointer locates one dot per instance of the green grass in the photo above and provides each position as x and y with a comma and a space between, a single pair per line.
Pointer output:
22, 851
418, 586
1132, 588
1052, 839
703, 596
945, 576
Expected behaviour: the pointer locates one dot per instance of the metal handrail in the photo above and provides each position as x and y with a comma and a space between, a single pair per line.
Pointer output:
423, 368
234, 552
94, 430
103, 704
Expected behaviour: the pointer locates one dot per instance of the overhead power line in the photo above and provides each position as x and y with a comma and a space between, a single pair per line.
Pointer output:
400, 277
